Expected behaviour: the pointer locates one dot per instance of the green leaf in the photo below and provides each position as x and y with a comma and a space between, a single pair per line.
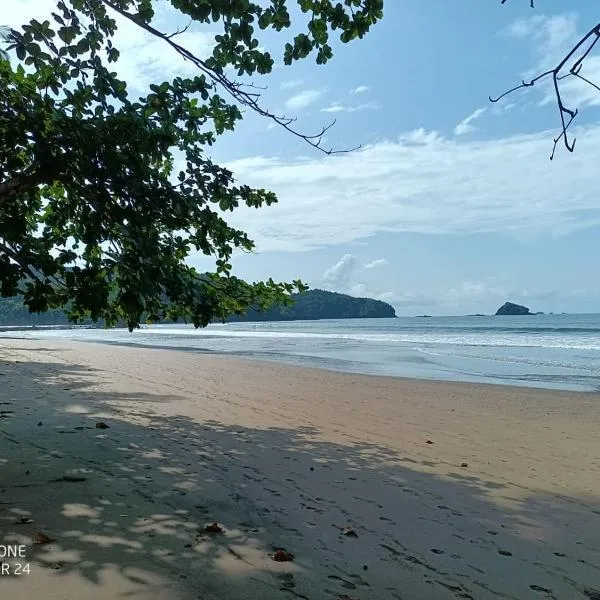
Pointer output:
115, 190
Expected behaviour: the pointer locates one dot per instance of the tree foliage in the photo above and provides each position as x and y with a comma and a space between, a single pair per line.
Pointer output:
320, 304
102, 195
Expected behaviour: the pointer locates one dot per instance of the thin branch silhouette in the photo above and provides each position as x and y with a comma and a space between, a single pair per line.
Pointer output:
530, 3
241, 93
585, 45
180, 31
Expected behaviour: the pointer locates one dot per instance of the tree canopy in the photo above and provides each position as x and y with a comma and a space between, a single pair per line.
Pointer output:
320, 304
103, 195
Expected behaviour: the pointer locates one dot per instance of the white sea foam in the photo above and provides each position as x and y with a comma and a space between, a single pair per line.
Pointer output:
553, 351
489, 338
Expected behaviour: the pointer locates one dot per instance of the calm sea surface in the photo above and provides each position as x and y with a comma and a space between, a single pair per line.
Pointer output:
550, 351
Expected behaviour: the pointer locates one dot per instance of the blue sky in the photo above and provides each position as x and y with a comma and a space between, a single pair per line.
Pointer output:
451, 206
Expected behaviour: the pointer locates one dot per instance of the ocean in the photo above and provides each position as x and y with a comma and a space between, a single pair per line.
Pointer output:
547, 351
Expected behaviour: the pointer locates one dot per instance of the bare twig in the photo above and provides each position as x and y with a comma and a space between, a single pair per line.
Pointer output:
180, 31
567, 115
240, 92
530, 3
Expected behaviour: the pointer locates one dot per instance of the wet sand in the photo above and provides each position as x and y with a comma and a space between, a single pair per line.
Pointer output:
380, 488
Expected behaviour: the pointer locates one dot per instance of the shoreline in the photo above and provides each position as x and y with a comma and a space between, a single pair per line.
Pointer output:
311, 368
453, 489
497, 381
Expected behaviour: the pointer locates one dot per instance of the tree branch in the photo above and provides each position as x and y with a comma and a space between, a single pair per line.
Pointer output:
567, 115
237, 90
530, 3
20, 184
18, 259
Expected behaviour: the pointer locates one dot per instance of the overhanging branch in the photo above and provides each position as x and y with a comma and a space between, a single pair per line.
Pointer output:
240, 92
582, 48
19, 184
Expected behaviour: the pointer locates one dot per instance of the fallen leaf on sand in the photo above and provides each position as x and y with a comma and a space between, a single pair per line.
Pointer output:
23, 521
214, 528
40, 538
282, 555
101, 425
71, 478
349, 532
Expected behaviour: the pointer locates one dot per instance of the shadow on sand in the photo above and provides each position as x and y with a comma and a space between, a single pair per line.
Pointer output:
135, 499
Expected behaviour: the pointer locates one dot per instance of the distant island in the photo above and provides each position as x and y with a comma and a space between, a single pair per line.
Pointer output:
311, 305
508, 308
320, 304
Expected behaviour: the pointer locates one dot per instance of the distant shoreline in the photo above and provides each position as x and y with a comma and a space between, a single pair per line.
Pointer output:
558, 352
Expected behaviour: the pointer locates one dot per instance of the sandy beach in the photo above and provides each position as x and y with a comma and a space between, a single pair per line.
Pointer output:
380, 488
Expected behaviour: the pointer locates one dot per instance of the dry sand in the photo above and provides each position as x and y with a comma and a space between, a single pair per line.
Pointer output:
285, 457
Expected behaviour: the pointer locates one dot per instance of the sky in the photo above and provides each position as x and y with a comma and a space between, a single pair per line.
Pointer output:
451, 204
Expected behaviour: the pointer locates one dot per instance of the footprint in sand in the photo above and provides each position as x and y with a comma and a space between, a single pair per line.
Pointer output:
387, 519
349, 585
287, 580
458, 590
539, 588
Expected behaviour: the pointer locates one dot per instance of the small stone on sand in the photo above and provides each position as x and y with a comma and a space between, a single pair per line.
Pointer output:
40, 538
282, 555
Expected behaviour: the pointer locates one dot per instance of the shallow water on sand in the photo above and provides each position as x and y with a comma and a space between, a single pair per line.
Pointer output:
550, 351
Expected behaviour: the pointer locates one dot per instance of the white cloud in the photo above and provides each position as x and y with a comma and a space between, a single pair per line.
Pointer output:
547, 33
144, 59
22, 11
465, 126
334, 107
337, 107
420, 137
361, 89
303, 99
380, 262
344, 275
424, 183
341, 274
485, 296
291, 83
361, 290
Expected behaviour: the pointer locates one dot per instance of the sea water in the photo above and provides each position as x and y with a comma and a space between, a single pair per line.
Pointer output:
550, 351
